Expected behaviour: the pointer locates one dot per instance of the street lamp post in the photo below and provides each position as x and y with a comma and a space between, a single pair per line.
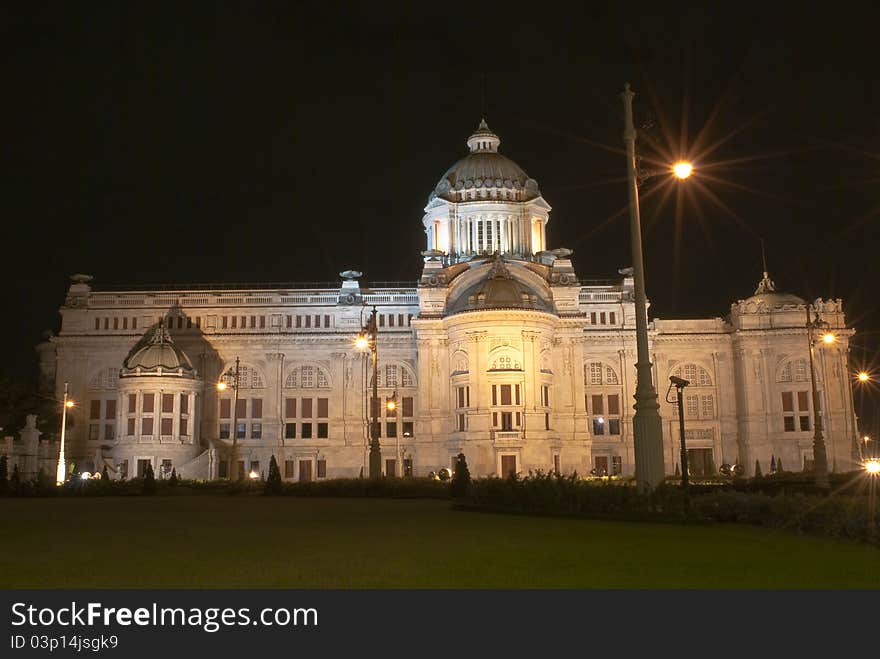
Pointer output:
647, 425
820, 456
231, 379
61, 469
680, 384
368, 339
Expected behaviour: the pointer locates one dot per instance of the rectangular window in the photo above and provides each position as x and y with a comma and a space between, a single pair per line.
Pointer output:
611, 318
407, 406
95, 409
132, 403
545, 393
97, 323
407, 428
613, 404
134, 323
106, 323
306, 430
224, 431
391, 320
168, 403
461, 423
223, 469
262, 322
323, 430
290, 408
166, 425
241, 408
598, 406
556, 464
616, 465
381, 320
184, 404
93, 430
391, 429
129, 429
805, 423
240, 430
289, 322
289, 469
322, 468
546, 421
223, 322
306, 408
592, 318
109, 431
257, 408
323, 405
494, 394
789, 424
253, 322
461, 396
289, 431
602, 318
148, 403
598, 426
147, 426
225, 408
317, 321
184, 430
803, 405
613, 426
299, 321
326, 321
234, 322
787, 401
125, 323
506, 397
256, 430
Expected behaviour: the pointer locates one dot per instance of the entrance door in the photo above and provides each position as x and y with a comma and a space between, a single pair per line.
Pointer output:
700, 462
508, 465
507, 421
391, 467
142, 467
305, 471
601, 464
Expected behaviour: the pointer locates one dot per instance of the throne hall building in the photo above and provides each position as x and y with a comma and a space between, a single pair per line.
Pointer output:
500, 351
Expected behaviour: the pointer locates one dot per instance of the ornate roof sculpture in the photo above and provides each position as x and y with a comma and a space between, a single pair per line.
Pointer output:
766, 296
157, 354
485, 170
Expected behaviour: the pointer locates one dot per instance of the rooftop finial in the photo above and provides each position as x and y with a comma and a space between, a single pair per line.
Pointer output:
766, 284
483, 139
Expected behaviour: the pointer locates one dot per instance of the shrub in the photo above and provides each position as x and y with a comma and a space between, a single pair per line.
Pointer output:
105, 475
461, 479
273, 482
149, 480
394, 488
174, 480
758, 473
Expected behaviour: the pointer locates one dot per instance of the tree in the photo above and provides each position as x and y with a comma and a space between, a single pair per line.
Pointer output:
273, 482
105, 475
758, 473
174, 480
772, 464
4, 475
461, 479
779, 465
149, 480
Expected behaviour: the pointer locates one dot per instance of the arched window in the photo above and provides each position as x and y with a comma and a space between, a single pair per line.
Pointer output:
504, 361
460, 363
795, 370
106, 378
307, 376
699, 396
394, 376
249, 378
597, 373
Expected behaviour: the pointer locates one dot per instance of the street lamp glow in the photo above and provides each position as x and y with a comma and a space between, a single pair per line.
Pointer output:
253, 475
828, 338
872, 467
221, 386
863, 376
682, 169
391, 405
361, 343
69, 404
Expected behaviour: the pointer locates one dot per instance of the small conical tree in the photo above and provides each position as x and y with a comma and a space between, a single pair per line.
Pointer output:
149, 480
273, 481
174, 480
15, 479
105, 475
758, 473
461, 479
4, 475
779, 465
772, 464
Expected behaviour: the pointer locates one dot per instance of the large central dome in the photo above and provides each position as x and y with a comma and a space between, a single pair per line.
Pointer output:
485, 174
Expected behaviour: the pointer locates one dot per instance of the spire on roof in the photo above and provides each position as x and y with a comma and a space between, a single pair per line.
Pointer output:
483, 139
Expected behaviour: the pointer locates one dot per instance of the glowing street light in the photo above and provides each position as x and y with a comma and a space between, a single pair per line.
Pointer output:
829, 338
682, 169
231, 379
61, 469
362, 342
863, 376
872, 467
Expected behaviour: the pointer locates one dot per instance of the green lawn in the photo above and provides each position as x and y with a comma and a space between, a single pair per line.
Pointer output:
224, 541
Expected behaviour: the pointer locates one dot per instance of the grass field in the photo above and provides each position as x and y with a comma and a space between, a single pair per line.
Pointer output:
223, 541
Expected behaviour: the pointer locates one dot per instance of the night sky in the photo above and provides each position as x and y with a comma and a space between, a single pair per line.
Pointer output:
262, 142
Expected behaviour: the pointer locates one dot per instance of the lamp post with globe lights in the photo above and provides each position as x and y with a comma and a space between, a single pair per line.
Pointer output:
61, 469
647, 424
228, 380
820, 456
367, 340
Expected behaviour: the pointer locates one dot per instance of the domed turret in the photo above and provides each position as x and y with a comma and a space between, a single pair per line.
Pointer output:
157, 354
485, 203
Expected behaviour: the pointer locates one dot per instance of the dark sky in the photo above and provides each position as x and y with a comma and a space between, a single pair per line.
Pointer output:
228, 142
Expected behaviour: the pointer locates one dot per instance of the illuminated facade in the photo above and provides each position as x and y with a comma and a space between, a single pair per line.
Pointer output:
500, 351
